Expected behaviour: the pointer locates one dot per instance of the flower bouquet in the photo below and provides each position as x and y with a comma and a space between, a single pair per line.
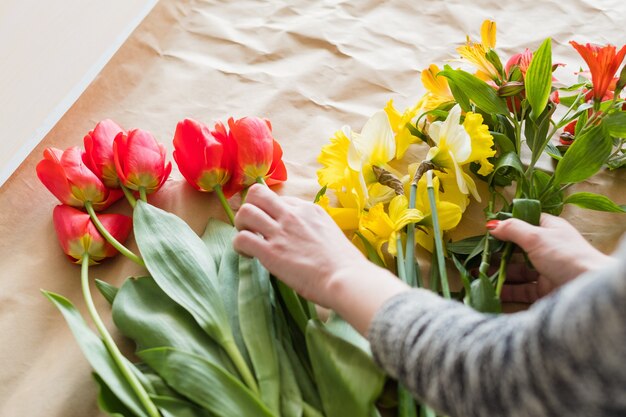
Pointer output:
217, 335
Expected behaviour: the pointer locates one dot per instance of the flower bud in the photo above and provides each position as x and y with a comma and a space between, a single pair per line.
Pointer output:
67, 177
78, 235
204, 158
511, 88
99, 151
140, 161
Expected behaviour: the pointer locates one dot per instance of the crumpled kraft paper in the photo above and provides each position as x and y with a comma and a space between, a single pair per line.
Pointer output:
310, 67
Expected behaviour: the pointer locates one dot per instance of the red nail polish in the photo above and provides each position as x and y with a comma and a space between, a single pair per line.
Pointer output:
492, 224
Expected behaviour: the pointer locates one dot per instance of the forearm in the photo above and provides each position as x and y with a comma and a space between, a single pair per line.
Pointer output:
561, 357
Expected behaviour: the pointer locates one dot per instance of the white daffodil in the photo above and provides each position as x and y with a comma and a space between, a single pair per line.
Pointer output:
453, 150
374, 146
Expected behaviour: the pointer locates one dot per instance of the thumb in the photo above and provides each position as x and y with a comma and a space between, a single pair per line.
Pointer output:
523, 234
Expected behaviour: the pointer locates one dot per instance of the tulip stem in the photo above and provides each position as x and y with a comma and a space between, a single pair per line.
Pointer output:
118, 358
142, 194
441, 262
229, 211
109, 238
129, 196
260, 180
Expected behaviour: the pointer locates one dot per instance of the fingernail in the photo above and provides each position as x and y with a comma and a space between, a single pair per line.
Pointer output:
492, 224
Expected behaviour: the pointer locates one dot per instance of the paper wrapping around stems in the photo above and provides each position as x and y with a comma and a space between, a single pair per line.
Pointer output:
310, 67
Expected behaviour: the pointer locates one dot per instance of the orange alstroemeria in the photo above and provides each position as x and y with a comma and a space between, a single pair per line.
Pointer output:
78, 235
603, 62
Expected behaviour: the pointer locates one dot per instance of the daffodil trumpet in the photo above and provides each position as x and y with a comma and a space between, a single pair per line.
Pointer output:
437, 232
118, 358
109, 237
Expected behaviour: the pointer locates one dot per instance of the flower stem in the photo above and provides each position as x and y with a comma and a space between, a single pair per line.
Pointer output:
142, 194
443, 275
229, 211
129, 196
108, 341
260, 180
240, 364
506, 255
406, 403
109, 238
401, 267
410, 242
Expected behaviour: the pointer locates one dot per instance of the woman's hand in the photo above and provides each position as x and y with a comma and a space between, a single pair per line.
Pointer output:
301, 245
556, 249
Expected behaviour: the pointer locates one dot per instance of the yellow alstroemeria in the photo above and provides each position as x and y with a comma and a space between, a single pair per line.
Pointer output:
399, 122
380, 227
476, 53
449, 213
438, 90
459, 145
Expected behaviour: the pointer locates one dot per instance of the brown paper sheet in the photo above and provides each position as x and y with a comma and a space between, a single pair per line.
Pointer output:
309, 66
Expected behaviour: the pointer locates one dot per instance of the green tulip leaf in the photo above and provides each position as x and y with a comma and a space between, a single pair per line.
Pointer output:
348, 380
204, 383
538, 79
594, 202
478, 91
108, 402
98, 357
290, 395
144, 313
107, 290
180, 264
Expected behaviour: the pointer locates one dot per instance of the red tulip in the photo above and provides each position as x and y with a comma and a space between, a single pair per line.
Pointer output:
258, 154
603, 63
140, 161
204, 158
67, 177
99, 151
78, 235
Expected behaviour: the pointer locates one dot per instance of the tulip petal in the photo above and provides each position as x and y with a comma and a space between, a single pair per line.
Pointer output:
52, 176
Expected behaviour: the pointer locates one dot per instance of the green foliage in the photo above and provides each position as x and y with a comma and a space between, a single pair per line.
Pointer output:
483, 296
478, 91
539, 79
107, 290
585, 157
594, 202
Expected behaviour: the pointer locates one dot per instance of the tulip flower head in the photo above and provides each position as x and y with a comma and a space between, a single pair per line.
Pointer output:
65, 175
603, 62
258, 154
204, 158
99, 151
140, 161
78, 235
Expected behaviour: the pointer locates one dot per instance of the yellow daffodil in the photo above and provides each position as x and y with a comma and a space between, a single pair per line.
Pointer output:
347, 218
449, 213
399, 122
476, 53
456, 147
380, 227
438, 90
334, 159
447, 188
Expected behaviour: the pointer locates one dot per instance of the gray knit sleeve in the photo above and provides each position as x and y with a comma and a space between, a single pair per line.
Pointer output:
565, 356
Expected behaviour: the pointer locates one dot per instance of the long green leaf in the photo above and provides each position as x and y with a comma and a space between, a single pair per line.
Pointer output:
615, 124
176, 407
179, 263
585, 157
97, 354
108, 402
107, 290
259, 335
508, 160
594, 201
204, 383
291, 404
144, 313
348, 380
538, 80
481, 93
218, 238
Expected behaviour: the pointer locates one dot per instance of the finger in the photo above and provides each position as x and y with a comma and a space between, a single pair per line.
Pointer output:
520, 293
516, 231
250, 217
520, 272
266, 199
250, 244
